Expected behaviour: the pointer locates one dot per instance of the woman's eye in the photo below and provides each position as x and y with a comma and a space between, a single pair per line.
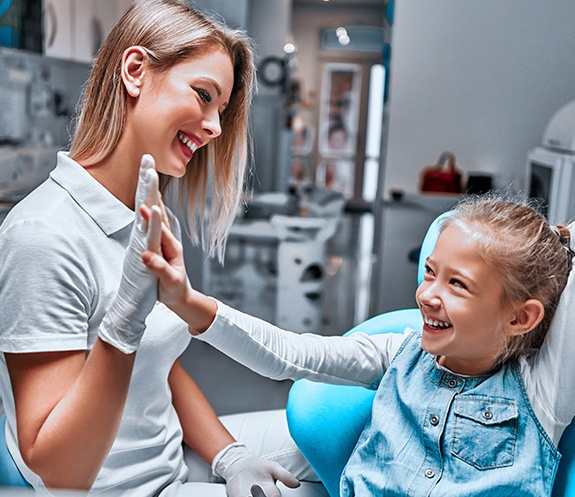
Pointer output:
205, 96
428, 270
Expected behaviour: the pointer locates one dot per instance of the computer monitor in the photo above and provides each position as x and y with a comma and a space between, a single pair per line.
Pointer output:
551, 179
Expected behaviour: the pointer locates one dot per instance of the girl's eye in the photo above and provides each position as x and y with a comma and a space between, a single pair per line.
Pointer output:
428, 270
205, 96
458, 283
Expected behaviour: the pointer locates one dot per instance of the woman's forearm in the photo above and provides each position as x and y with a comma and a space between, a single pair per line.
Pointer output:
203, 431
69, 409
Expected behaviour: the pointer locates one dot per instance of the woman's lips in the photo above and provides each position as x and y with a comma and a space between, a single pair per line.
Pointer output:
187, 145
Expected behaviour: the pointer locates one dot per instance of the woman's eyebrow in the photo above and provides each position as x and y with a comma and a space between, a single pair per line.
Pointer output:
216, 85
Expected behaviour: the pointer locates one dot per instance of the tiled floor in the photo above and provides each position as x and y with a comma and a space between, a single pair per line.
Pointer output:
231, 387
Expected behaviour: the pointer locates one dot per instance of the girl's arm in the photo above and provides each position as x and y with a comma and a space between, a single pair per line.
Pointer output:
550, 374
268, 350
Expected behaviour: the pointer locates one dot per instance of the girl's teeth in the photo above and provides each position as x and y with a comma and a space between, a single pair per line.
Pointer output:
436, 324
192, 146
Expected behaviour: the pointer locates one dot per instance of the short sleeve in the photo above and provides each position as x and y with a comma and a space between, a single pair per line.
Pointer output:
45, 289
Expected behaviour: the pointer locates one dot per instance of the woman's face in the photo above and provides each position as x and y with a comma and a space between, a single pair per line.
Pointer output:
178, 111
461, 302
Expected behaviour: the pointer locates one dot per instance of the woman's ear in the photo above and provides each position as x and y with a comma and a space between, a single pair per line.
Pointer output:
525, 317
133, 62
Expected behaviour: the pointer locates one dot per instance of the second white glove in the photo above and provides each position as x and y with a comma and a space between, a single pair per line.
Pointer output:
247, 475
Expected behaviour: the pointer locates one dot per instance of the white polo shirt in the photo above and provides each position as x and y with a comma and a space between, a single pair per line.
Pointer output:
61, 256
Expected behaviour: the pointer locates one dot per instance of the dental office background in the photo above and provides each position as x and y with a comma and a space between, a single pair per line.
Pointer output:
322, 242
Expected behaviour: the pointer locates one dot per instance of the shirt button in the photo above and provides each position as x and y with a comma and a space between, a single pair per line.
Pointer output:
488, 415
434, 420
452, 383
429, 473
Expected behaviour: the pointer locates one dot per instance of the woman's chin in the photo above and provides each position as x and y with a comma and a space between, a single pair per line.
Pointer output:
176, 170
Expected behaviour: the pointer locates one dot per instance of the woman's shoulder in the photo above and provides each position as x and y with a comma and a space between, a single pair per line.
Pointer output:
37, 236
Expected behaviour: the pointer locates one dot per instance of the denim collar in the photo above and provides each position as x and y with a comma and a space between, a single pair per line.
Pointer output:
442, 376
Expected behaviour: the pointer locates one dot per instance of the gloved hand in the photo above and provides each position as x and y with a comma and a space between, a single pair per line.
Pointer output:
124, 323
249, 476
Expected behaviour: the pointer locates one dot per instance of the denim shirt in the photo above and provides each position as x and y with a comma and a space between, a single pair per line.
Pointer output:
435, 433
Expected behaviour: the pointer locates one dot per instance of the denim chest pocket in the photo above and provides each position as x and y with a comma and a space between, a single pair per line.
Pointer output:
485, 431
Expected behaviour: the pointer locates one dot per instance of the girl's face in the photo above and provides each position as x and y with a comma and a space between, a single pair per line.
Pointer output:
460, 301
178, 111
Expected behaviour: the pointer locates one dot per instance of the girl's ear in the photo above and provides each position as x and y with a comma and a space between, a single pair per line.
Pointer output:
525, 317
133, 61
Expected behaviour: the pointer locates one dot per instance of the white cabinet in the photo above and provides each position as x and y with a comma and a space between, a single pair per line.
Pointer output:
75, 29
58, 29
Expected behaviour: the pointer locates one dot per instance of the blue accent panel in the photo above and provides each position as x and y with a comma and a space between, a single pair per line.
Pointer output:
6, 36
389, 11
4, 6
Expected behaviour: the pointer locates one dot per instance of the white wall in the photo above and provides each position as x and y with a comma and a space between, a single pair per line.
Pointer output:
235, 12
479, 78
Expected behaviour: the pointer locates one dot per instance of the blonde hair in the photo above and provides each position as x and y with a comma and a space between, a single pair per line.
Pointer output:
170, 31
531, 258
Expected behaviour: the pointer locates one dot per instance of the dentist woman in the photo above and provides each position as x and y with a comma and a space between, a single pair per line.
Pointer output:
95, 397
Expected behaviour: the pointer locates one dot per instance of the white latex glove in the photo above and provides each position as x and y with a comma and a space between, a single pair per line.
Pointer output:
249, 476
124, 323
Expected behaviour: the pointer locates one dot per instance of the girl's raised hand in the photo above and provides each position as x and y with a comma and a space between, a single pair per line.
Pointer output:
174, 289
168, 263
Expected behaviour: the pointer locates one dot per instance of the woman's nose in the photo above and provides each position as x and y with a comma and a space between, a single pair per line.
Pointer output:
212, 125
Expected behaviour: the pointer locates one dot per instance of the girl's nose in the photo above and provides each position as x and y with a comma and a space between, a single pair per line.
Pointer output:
428, 295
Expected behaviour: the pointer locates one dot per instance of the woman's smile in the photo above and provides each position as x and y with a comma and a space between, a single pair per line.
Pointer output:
188, 145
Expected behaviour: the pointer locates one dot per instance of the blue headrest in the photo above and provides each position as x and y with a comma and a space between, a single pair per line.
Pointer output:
429, 244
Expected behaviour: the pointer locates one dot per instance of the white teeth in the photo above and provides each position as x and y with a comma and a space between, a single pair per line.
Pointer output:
192, 146
434, 323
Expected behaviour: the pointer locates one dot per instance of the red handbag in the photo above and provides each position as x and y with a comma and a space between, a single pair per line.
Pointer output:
443, 177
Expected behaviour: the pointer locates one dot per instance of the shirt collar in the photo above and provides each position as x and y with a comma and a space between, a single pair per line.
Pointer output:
107, 211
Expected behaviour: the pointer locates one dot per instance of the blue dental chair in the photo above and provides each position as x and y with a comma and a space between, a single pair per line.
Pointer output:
10, 476
326, 420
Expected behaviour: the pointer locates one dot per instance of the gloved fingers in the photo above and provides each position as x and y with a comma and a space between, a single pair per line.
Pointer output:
283, 475
170, 246
258, 490
155, 229
147, 190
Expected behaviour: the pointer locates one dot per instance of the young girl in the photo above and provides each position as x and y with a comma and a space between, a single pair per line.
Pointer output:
473, 403
92, 401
